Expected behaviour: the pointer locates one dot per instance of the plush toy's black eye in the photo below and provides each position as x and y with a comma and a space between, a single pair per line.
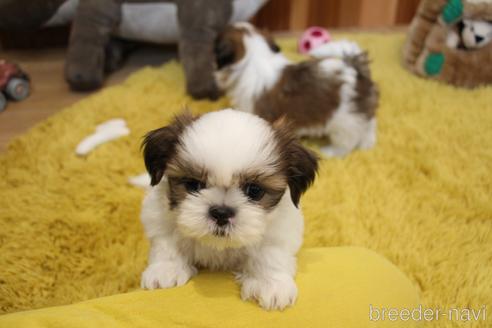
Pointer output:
253, 191
193, 185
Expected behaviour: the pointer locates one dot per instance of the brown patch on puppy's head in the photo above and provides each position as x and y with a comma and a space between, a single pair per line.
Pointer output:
229, 46
159, 146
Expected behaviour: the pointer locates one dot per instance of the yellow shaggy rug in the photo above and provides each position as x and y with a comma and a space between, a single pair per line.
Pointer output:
70, 230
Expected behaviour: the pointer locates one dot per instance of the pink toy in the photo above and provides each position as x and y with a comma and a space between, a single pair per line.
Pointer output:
313, 37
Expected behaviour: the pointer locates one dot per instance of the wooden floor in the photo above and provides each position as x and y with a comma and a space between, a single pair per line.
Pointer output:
50, 93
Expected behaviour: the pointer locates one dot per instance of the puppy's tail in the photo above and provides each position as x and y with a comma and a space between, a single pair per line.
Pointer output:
367, 91
360, 62
339, 49
349, 51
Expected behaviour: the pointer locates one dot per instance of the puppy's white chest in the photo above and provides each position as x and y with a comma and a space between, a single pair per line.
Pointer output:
213, 259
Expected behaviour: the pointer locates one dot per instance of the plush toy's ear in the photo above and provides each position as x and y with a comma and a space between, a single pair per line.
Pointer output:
159, 146
461, 26
224, 51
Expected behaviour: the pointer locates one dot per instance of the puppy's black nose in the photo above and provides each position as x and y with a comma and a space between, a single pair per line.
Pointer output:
221, 214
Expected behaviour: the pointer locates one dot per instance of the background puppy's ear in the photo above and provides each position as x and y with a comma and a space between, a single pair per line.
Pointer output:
224, 52
301, 170
270, 41
273, 45
159, 146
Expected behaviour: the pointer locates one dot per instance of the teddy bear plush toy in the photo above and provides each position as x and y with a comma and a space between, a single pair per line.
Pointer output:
194, 24
450, 41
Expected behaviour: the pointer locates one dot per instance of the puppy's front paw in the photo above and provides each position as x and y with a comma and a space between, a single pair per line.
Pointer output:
166, 274
274, 293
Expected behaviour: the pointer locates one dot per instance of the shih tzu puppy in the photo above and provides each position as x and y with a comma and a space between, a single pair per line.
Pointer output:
331, 96
225, 196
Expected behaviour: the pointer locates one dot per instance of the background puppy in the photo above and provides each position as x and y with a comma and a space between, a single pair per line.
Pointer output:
332, 97
225, 196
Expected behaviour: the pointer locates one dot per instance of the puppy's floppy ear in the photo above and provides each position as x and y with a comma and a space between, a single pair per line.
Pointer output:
273, 45
224, 51
159, 146
301, 171
301, 164
271, 41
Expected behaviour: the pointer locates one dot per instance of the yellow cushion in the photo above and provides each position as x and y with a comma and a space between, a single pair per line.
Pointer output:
336, 288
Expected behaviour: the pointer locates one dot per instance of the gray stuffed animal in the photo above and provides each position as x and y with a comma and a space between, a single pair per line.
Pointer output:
194, 24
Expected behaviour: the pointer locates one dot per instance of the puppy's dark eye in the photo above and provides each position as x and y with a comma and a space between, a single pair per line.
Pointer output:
253, 191
193, 185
